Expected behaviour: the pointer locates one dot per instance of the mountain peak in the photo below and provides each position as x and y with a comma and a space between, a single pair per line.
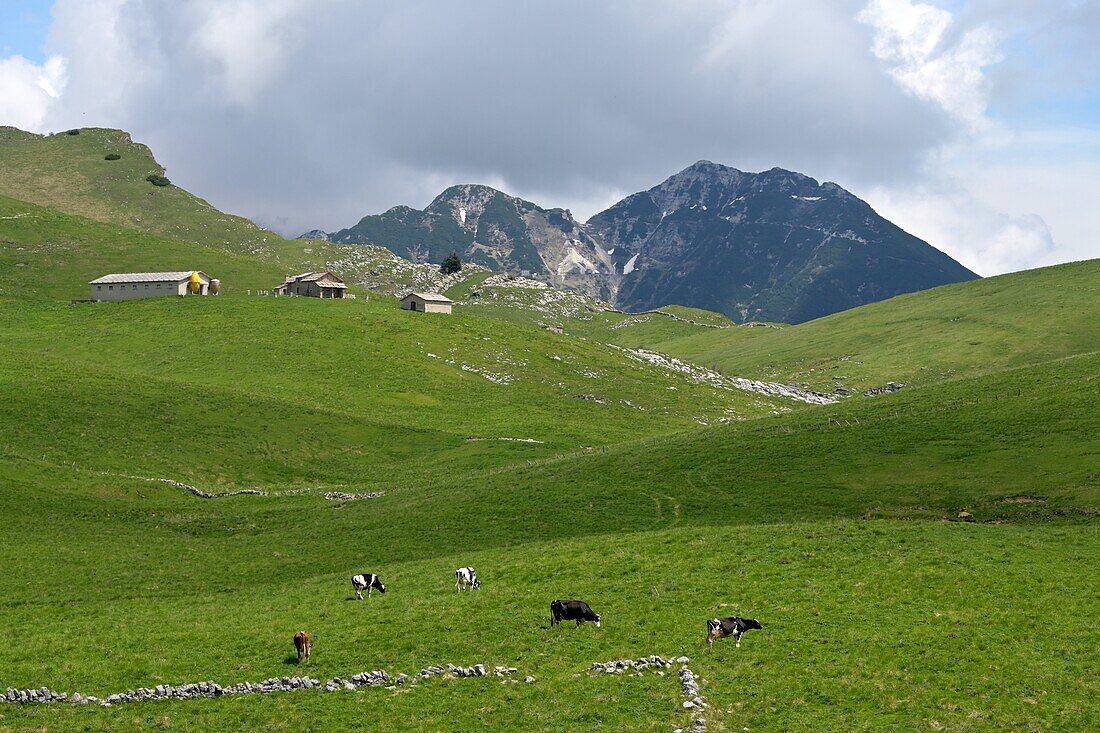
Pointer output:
774, 245
707, 167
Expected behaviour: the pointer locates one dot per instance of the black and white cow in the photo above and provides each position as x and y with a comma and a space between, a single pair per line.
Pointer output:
578, 611
735, 626
368, 582
466, 578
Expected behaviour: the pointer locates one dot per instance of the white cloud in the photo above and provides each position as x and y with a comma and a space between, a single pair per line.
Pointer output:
28, 91
250, 41
912, 37
302, 113
978, 235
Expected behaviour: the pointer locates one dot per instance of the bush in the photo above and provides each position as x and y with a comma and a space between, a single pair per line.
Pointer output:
112, 156
72, 132
156, 180
451, 265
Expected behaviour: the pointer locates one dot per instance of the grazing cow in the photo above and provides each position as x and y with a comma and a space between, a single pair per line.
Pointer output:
368, 582
303, 644
578, 611
735, 626
466, 578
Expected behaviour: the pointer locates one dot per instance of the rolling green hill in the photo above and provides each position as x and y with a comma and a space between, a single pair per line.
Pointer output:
45, 254
972, 328
825, 523
70, 175
365, 385
919, 560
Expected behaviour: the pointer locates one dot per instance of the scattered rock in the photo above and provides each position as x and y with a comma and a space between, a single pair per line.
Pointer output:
885, 389
703, 375
374, 678
344, 496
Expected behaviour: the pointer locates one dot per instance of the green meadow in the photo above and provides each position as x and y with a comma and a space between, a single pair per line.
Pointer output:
923, 560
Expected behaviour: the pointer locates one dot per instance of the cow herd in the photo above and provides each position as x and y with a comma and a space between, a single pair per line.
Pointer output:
571, 610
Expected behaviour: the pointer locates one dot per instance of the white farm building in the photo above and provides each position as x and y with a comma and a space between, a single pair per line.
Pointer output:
131, 285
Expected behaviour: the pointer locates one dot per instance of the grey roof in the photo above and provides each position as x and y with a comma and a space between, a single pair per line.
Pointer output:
430, 297
306, 277
145, 277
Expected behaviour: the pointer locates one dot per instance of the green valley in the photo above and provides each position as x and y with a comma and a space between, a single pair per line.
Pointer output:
924, 559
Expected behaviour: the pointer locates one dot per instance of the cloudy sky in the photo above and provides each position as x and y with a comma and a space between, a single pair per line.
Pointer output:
974, 124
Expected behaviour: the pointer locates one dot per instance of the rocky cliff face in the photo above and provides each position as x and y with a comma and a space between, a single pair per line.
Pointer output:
776, 246
491, 228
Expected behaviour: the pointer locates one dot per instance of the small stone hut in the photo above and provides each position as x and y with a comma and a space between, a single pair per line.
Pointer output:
427, 303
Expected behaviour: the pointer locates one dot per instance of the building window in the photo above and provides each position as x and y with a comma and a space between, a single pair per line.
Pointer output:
146, 286
158, 286
110, 287
99, 287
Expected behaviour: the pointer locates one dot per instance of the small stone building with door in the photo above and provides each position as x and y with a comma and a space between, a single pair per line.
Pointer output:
427, 303
313, 285
133, 285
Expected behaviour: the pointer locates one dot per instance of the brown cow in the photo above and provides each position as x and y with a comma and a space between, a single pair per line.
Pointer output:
303, 644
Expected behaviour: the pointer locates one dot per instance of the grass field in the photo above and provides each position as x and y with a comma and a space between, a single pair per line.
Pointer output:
869, 625
826, 523
924, 560
955, 330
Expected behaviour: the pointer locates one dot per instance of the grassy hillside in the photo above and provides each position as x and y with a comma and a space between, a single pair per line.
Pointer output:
302, 391
870, 622
50, 255
958, 330
921, 560
69, 174
971, 328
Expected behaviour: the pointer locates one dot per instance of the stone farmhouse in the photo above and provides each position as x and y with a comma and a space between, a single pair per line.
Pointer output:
313, 285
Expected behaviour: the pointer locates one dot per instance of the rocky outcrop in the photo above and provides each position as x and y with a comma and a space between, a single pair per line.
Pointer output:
703, 375
490, 228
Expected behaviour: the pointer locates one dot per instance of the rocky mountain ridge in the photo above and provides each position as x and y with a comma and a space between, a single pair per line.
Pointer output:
769, 246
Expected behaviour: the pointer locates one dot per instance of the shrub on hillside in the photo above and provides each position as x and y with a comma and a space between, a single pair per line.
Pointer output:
157, 180
451, 265
72, 132
112, 156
